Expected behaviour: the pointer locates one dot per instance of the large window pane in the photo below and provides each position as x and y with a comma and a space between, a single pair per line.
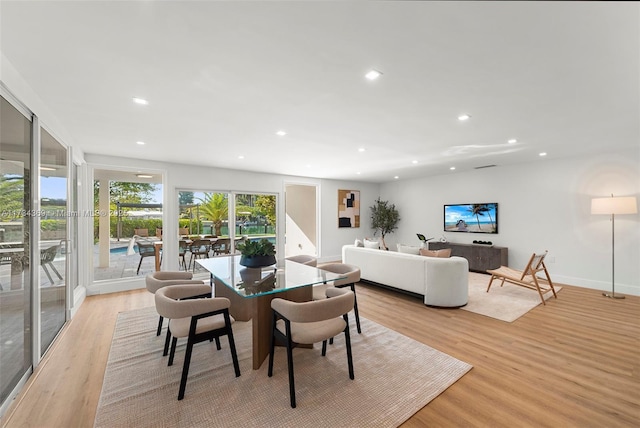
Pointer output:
15, 291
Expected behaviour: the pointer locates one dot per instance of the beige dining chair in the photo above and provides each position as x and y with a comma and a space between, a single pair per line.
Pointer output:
304, 259
156, 280
352, 275
197, 319
308, 323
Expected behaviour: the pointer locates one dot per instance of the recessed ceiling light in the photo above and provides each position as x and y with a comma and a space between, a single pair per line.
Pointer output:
373, 74
140, 101
543, 154
240, 157
144, 176
140, 143
308, 166
463, 117
414, 162
511, 141
361, 149
396, 177
281, 133
452, 168
358, 173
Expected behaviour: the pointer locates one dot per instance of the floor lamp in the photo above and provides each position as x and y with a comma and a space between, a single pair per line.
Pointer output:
613, 206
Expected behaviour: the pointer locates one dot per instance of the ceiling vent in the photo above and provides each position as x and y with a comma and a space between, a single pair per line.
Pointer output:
484, 166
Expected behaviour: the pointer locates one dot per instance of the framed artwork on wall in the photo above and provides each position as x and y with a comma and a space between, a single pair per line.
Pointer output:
348, 208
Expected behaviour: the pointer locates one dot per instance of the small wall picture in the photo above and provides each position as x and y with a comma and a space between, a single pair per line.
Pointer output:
348, 208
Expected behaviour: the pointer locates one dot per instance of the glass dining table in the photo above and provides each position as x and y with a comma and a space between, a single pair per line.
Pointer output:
251, 290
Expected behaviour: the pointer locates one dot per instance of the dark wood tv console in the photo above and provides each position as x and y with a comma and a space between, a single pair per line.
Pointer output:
480, 257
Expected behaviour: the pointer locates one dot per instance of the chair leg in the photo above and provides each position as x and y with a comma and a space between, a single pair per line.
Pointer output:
355, 308
324, 347
347, 339
232, 344
139, 264
55, 270
185, 368
166, 343
174, 342
292, 386
159, 325
218, 347
48, 274
272, 345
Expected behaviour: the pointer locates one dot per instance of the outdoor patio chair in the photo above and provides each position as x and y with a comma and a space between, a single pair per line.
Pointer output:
145, 249
221, 246
46, 258
141, 232
199, 250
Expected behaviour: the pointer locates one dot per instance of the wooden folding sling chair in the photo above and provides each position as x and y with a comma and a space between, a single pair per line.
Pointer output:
526, 278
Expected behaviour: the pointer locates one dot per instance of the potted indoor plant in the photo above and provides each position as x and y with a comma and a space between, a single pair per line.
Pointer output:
257, 253
384, 219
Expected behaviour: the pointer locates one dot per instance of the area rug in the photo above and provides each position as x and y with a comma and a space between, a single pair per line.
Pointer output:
506, 303
395, 376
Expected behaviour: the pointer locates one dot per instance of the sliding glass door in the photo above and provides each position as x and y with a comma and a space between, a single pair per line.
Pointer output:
53, 238
224, 217
15, 291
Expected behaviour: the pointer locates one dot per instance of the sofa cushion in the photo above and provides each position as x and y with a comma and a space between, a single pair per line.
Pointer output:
371, 244
444, 253
407, 249
358, 243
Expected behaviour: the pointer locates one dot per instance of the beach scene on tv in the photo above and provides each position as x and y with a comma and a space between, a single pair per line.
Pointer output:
478, 218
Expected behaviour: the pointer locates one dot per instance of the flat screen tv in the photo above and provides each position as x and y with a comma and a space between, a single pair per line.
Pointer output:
474, 218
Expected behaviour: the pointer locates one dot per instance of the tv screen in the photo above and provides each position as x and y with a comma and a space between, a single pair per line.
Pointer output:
474, 218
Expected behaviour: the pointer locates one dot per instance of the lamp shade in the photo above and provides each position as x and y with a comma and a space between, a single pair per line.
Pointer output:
614, 205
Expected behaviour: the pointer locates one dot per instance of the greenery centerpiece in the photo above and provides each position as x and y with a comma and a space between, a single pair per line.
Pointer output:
384, 219
257, 253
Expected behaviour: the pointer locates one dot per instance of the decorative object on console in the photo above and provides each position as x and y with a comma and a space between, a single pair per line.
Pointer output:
613, 206
467, 218
483, 242
384, 219
257, 253
348, 208
423, 240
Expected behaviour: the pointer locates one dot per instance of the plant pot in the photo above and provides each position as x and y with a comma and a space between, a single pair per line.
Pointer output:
257, 261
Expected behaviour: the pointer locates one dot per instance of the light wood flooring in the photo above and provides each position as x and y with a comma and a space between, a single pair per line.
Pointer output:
572, 363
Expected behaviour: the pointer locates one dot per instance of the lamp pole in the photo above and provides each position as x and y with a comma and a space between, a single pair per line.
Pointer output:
613, 261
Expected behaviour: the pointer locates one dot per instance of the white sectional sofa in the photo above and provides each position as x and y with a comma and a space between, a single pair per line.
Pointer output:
443, 282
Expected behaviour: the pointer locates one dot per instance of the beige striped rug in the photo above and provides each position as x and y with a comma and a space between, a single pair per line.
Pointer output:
506, 303
395, 376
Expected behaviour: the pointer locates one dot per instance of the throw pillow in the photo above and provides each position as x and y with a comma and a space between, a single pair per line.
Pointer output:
407, 249
371, 244
358, 243
444, 253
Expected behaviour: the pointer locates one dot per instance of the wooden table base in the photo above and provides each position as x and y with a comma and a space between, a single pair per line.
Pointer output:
258, 309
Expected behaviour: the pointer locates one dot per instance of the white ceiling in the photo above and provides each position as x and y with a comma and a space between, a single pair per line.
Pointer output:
222, 77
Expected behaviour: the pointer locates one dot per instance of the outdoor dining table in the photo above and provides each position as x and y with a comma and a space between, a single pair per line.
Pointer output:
157, 246
251, 290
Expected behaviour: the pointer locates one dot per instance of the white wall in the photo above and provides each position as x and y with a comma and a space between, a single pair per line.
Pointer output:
543, 205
